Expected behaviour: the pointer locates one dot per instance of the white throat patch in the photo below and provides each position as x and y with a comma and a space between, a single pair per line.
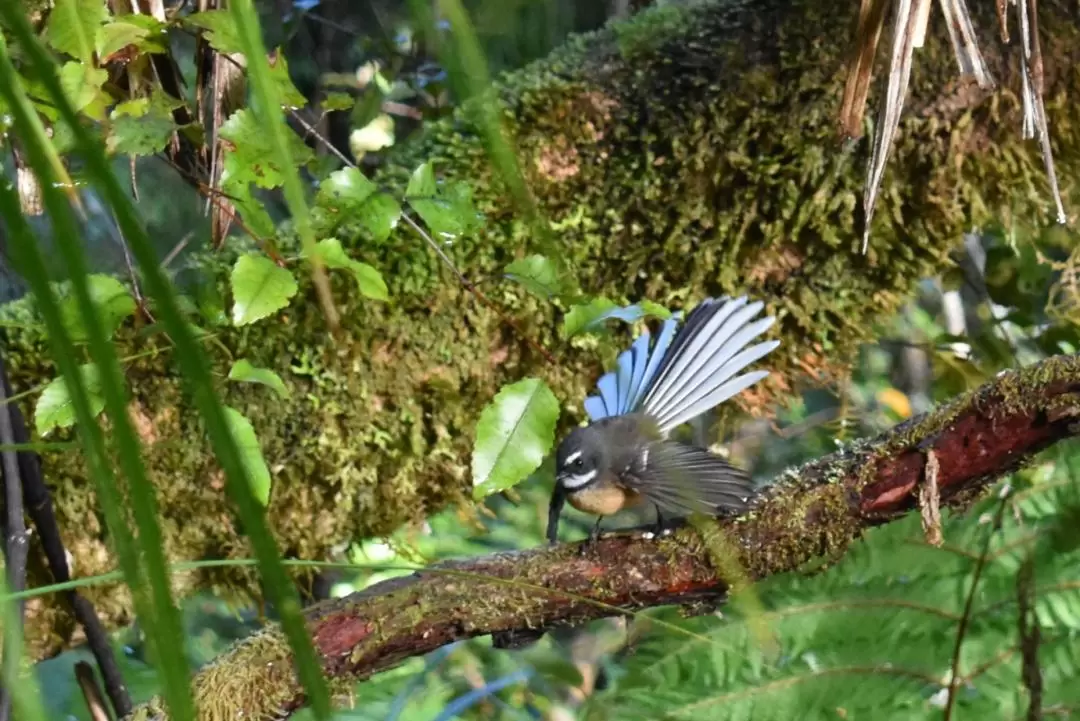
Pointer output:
579, 481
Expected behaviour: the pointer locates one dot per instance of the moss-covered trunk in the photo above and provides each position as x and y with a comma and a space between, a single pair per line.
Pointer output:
687, 151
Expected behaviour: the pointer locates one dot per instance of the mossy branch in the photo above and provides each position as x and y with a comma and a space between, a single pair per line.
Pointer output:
817, 510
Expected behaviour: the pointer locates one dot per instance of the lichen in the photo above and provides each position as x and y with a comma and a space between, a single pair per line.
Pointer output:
701, 160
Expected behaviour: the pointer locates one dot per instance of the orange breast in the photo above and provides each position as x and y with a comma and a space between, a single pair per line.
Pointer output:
603, 499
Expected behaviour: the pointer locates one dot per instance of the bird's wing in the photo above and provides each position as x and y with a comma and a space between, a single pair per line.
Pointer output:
684, 479
685, 374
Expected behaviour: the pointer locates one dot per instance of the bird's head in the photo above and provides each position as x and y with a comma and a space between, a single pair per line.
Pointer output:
580, 459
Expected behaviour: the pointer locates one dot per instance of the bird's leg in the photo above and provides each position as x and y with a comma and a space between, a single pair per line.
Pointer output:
594, 536
659, 521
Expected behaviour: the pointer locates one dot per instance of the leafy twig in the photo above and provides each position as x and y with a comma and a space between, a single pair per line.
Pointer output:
447, 261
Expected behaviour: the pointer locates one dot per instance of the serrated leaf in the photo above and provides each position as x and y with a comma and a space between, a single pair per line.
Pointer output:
251, 210
369, 280
279, 74
590, 317
259, 288
447, 210
73, 27
54, 408
220, 29
250, 157
82, 86
112, 299
243, 370
139, 135
117, 35
538, 275
513, 434
250, 454
337, 101
351, 198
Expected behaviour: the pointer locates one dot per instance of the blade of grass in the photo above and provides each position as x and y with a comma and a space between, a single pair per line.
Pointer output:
267, 109
165, 623
25, 694
29, 259
195, 368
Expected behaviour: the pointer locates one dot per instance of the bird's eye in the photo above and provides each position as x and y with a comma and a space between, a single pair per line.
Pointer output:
579, 463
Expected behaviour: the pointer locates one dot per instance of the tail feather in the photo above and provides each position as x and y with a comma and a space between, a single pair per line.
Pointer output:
686, 371
700, 372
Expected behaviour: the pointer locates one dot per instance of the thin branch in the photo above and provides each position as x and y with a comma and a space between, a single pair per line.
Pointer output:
818, 510
17, 543
969, 604
39, 505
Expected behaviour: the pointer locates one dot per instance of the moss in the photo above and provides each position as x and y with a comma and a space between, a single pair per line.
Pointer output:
692, 151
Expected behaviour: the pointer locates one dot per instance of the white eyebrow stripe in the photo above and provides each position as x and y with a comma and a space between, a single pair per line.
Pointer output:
578, 481
573, 456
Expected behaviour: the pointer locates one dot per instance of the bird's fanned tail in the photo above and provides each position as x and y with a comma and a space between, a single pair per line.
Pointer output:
685, 374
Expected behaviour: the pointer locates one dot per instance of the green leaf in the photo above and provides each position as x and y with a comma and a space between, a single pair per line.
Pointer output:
590, 317
513, 434
117, 35
538, 274
351, 198
139, 133
447, 211
220, 30
250, 454
337, 101
259, 288
82, 85
54, 408
242, 370
251, 210
112, 300
74, 25
369, 280
279, 74
251, 157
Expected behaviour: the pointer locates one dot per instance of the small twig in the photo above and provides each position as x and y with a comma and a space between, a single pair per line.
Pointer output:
1028, 626
140, 301
930, 501
84, 674
469, 285
176, 250
16, 547
969, 604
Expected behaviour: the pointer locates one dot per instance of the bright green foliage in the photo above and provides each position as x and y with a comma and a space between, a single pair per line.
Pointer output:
447, 209
368, 280
537, 274
337, 101
514, 433
591, 316
142, 126
250, 453
221, 30
113, 301
243, 370
279, 73
259, 288
347, 199
54, 407
251, 159
82, 85
117, 35
74, 25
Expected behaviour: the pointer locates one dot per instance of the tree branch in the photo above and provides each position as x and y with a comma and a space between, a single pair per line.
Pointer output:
817, 510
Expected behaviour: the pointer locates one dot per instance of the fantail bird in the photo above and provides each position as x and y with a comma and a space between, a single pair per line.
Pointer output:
623, 458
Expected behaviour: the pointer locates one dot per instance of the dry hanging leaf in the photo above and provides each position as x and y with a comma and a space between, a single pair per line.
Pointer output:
965, 43
867, 35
